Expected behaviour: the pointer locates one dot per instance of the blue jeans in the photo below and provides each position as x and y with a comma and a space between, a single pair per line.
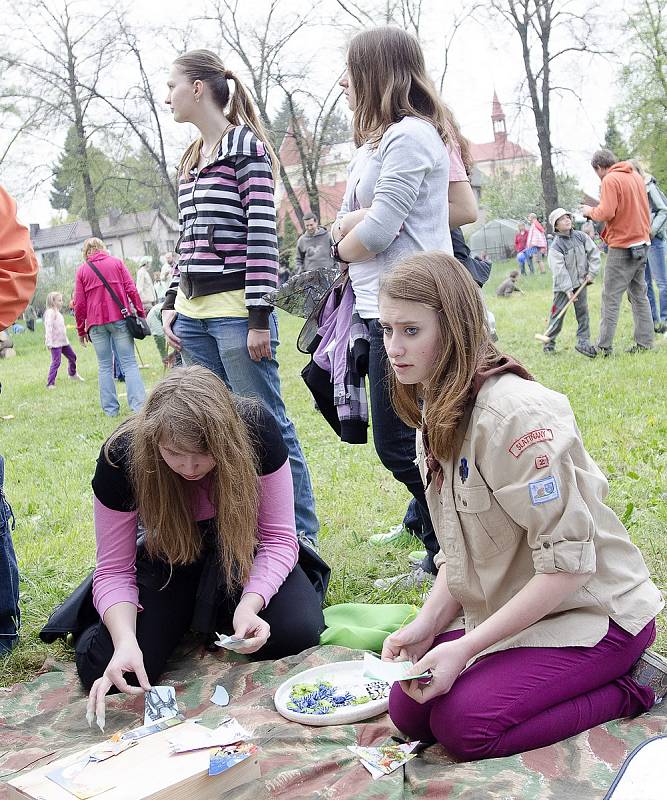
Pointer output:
102, 336
9, 576
656, 271
221, 345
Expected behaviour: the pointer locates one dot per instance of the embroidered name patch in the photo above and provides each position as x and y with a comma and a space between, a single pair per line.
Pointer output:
532, 437
543, 491
541, 462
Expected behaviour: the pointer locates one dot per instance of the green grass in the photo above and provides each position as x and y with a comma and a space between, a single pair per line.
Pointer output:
53, 438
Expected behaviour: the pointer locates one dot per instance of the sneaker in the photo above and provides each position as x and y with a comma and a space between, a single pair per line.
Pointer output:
392, 534
549, 349
415, 579
638, 348
50, 386
605, 352
651, 670
77, 377
660, 327
416, 557
586, 350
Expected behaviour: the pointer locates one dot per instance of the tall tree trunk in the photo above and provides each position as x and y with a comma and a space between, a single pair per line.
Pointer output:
88, 190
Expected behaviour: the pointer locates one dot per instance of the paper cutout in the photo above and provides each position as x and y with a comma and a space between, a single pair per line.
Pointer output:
390, 671
230, 642
160, 703
71, 778
222, 758
220, 696
228, 733
384, 759
156, 727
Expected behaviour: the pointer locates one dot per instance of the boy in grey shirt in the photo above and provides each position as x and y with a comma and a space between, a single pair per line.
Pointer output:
574, 261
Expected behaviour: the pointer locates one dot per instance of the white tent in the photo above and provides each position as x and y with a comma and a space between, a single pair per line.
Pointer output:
495, 238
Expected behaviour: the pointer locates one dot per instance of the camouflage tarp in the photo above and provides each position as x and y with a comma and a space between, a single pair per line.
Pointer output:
45, 719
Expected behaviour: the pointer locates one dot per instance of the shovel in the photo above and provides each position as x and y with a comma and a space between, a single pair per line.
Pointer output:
542, 337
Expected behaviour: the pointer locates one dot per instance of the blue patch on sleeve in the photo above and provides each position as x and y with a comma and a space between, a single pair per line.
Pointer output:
544, 490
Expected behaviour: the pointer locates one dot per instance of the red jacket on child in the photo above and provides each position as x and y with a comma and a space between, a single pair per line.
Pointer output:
93, 305
520, 241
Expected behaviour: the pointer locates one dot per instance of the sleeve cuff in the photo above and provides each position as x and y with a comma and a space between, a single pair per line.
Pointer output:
564, 556
258, 586
169, 301
258, 318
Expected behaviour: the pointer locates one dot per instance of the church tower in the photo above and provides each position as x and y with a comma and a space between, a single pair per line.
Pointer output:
498, 120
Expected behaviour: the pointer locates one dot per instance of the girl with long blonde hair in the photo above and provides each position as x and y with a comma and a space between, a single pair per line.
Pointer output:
408, 184
536, 627
207, 475
214, 309
55, 336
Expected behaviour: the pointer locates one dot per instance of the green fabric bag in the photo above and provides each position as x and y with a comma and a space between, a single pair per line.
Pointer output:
364, 626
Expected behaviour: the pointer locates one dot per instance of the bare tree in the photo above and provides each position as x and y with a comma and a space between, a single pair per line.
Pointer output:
263, 51
60, 60
541, 26
138, 108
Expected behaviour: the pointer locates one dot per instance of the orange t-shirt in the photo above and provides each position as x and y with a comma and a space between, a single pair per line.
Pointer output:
18, 263
624, 207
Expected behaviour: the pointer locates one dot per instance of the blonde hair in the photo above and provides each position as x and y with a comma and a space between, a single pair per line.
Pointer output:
51, 299
92, 245
206, 66
193, 410
440, 282
389, 79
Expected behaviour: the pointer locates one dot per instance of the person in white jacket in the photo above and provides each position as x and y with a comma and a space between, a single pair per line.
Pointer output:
145, 285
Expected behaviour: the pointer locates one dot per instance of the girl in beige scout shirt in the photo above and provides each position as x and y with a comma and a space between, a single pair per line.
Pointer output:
557, 603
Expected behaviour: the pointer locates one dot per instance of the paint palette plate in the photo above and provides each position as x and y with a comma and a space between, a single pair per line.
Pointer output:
346, 679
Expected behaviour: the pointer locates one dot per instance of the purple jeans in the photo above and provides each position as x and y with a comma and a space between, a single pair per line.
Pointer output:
529, 697
56, 355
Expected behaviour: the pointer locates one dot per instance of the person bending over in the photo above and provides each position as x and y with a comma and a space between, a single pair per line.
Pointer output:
208, 475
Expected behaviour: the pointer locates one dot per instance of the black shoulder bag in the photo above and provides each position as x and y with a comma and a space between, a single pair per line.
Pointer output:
136, 325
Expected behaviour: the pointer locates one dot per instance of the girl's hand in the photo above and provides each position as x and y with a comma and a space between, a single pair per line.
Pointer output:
127, 657
248, 625
446, 662
259, 344
168, 318
409, 643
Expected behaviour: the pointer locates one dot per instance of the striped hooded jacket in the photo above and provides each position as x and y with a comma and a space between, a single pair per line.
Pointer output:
228, 227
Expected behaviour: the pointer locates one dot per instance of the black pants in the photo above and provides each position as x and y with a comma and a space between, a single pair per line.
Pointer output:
294, 614
395, 441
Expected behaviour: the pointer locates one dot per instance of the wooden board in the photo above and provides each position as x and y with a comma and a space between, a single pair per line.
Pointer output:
146, 771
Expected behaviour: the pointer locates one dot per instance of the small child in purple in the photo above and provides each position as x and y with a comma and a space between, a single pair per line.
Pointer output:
55, 335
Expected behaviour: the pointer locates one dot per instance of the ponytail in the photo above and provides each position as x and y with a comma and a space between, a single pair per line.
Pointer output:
242, 110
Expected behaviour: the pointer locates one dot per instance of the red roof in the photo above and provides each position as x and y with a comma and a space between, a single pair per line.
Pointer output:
331, 198
500, 150
289, 152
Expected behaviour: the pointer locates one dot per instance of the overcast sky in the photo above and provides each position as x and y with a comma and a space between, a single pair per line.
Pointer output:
485, 56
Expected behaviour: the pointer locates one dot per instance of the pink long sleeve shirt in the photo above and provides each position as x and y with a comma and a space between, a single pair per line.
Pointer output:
116, 534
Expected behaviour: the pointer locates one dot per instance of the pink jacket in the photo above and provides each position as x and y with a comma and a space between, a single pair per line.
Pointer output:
93, 304
55, 333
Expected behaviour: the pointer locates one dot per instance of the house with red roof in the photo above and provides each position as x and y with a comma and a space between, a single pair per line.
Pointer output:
500, 155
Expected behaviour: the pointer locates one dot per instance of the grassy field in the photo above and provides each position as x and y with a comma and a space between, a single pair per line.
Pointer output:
50, 440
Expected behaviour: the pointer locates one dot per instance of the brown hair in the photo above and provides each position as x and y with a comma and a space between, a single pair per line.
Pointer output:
92, 245
603, 159
193, 410
206, 66
440, 282
388, 75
